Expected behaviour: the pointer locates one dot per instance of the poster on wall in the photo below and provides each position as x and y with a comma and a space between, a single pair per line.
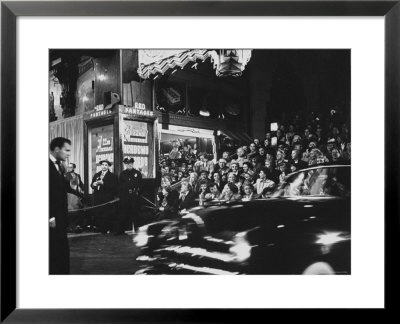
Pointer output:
102, 147
137, 142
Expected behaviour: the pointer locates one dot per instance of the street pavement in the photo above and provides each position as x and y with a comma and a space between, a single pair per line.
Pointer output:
95, 253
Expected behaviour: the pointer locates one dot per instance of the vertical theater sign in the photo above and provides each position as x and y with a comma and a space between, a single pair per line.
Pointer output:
136, 125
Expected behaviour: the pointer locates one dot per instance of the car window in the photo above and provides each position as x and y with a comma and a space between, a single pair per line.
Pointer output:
317, 182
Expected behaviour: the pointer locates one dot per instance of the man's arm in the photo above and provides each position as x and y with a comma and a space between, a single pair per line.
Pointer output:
94, 182
81, 185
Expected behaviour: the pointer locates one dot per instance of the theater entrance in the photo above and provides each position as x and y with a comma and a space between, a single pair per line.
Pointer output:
183, 144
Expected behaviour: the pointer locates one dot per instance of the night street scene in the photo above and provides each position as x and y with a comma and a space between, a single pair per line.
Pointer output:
200, 161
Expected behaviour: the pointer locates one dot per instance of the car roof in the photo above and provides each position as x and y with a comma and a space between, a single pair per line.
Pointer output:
320, 166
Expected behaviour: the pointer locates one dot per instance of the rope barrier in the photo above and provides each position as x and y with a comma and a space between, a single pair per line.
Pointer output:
145, 199
93, 207
105, 204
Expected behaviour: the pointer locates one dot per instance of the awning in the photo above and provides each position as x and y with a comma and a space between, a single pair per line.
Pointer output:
178, 60
225, 62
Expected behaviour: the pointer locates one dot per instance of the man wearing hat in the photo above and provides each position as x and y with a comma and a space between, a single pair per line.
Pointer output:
130, 184
105, 186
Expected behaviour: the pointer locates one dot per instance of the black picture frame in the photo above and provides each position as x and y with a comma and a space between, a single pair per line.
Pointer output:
10, 10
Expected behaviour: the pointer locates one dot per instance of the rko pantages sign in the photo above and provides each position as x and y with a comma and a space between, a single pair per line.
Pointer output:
139, 109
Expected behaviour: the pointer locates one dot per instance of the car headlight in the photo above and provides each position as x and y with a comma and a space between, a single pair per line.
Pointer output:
141, 238
241, 248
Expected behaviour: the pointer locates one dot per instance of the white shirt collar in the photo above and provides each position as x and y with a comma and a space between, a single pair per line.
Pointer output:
53, 159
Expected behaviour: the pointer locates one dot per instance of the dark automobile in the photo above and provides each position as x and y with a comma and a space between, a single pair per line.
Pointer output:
302, 228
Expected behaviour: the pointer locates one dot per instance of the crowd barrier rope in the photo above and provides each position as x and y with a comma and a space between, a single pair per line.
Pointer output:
111, 202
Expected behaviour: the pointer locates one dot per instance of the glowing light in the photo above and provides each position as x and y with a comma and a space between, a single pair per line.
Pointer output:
102, 77
241, 249
141, 238
330, 238
280, 226
274, 127
204, 113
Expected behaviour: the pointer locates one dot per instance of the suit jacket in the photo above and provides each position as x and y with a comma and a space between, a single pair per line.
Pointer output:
130, 182
78, 184
58, 208
188, 202
106, 192
170, 205
58, 199
69, 177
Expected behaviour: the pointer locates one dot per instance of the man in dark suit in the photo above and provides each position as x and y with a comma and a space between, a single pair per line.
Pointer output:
60, 149
74, 180
130, 184
75, 191
105, 187
296, 160
186, 197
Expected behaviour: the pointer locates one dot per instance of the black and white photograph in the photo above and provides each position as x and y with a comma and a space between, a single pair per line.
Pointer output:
190, 161
200, 161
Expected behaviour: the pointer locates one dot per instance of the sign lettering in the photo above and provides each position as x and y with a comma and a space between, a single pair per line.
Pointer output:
136, 111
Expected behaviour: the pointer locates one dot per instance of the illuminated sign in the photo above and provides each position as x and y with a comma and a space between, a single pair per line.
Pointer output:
136, 143
139, 105
99, 111
139, 110
104, 148
99, 107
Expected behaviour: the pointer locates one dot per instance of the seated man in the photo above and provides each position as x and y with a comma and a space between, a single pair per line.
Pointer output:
214, 192
186, 198
169, 204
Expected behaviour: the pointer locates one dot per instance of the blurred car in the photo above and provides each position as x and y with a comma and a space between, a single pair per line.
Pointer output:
301, 228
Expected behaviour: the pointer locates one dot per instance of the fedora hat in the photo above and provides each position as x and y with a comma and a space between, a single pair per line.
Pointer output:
106, 161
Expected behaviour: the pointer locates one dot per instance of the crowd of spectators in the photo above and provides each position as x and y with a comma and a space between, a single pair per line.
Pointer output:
243, 172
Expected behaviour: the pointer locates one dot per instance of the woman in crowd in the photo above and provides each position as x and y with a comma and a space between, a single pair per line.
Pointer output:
194, 182
218, 181
245, 177
263, 182
255, 165
317, 157
247, 168
233, 180
230, 193
248, 190
227, 158
280, 158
